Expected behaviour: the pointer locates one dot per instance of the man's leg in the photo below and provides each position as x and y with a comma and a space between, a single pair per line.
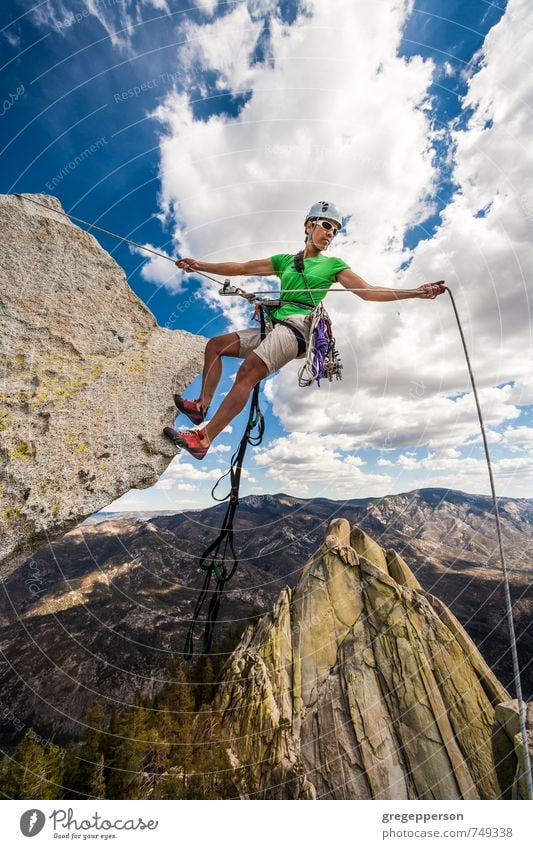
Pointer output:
227, 345
251, 372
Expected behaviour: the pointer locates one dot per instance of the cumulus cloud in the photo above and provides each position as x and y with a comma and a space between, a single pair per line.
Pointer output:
318, 120
519, 439
364, 419
301, 462
159, 270
225, 45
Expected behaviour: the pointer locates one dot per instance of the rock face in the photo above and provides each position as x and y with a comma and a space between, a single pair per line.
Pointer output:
509, 751
360, 685
87, 378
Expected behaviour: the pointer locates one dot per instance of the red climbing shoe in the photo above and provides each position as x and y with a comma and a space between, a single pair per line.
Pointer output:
188, 439
190, 409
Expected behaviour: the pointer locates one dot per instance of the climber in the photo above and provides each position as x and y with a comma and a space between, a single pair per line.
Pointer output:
283, 342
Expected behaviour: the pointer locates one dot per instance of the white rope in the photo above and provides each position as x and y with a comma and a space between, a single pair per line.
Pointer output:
507, 593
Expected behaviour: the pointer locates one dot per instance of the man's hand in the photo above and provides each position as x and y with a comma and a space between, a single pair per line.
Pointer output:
188, 264
431, 290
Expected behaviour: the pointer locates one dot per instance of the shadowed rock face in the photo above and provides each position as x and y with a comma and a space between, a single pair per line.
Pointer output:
509, 749
360, 685
87, 378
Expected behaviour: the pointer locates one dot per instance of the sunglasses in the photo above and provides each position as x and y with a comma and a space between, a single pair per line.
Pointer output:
327, 225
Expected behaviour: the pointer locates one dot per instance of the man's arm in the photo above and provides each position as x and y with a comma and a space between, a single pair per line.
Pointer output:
350, 280
258, 267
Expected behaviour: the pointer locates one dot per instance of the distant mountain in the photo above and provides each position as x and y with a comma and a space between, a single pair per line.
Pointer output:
104, 515
100, 611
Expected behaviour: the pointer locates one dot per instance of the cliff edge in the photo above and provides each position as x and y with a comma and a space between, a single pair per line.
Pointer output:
86, 374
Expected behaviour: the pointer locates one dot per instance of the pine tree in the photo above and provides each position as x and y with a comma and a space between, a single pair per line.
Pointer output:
55, 770
83, 761
126, 779
31, 773
97, 787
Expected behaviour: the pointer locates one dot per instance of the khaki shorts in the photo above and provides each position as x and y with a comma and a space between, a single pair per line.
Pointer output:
280, 345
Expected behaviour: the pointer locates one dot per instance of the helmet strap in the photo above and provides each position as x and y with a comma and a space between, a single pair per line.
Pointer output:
309, 237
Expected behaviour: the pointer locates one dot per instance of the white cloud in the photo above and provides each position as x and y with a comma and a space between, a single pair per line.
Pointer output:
181, 470
225, 45
164, 484
159, 270
512, 476
356, 416
519, 438
161, 5
121, 19
523, 390
302, 461
403, 360
207, 6
12, 37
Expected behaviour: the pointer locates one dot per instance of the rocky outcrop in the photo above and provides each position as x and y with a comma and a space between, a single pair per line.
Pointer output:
87, 378
360, 685
509, 751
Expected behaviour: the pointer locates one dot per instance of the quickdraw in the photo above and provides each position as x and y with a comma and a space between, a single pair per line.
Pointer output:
322, 359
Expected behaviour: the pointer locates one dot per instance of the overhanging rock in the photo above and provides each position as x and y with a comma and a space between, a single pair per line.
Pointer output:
86, 377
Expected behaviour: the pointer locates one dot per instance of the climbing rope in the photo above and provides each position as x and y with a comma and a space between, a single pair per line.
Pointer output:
507, 592
218, 565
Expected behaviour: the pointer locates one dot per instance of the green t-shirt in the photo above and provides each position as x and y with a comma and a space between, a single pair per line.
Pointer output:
320, 272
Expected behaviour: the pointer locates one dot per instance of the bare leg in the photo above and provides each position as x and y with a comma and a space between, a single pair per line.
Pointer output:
227, 345
251, 372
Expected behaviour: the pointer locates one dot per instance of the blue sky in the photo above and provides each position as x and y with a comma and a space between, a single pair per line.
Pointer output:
215, 125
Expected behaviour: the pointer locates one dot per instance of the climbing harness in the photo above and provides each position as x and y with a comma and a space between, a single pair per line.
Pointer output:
215, 558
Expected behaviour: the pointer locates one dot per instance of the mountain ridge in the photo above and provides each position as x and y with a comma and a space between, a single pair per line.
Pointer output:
118, 596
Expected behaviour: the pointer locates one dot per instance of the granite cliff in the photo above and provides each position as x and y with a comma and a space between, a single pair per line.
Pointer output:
87, 378
361, 685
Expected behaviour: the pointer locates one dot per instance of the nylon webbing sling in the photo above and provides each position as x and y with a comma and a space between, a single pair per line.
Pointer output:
219, 558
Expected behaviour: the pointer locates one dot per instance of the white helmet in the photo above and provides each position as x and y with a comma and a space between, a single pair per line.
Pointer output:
324, 209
